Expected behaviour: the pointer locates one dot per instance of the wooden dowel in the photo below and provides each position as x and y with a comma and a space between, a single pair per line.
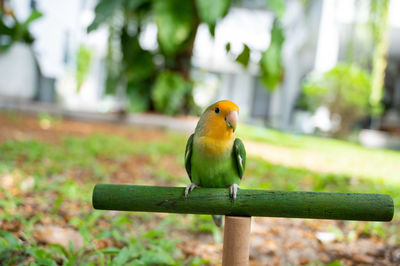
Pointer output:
294, 204
236, 241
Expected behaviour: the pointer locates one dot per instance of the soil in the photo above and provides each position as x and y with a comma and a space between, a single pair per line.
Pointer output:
274, 241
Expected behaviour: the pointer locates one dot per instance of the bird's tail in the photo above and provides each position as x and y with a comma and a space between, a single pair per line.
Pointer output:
217, 220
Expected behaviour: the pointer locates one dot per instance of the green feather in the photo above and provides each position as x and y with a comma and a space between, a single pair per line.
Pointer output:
208, 171
188, 155
221, 171
239, 152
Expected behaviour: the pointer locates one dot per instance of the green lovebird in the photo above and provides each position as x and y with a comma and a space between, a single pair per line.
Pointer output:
214, 158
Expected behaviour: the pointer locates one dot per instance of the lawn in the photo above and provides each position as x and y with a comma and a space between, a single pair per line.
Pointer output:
48, 167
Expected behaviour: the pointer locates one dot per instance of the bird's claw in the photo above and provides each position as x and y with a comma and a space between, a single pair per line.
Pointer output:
233, 191
190, 189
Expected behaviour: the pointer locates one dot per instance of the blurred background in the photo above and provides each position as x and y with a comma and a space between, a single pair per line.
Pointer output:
108, 91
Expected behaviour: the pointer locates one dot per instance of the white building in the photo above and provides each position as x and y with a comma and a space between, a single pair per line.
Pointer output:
316, 38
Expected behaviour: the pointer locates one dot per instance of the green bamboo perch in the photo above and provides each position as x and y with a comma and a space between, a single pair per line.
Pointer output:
293, 204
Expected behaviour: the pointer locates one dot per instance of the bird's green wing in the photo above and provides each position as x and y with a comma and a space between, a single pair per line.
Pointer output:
188, 155
239, 153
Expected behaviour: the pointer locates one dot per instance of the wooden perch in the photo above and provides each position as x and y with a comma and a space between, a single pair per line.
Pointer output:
291, 204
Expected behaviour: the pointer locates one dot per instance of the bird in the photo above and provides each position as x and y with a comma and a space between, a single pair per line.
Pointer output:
214, 157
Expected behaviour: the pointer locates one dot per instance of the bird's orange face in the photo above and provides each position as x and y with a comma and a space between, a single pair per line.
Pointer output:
222, 119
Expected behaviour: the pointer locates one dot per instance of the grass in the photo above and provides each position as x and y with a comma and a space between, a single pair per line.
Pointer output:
54, 187
334, 156
65, 172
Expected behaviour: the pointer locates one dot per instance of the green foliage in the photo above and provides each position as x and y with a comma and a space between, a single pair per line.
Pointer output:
30, 150
211, 11
128, 65
83, 60
344, 90
104, 11
378, 17
176, 22
147, 249
205, 224
169, 92
228, 47
137, 69
244, 57
16, 32
271, 65
133, 68
10, 248
112, 62
277, 7
375, 229
335, 263
138, 63
272, 70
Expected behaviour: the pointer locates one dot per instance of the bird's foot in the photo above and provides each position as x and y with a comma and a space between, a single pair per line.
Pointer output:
190, 189
233, 191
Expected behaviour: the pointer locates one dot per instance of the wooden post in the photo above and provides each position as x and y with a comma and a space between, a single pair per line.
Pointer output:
236, 241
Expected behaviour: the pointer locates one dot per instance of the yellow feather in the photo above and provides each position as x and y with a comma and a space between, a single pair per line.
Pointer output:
213, 136
212, 146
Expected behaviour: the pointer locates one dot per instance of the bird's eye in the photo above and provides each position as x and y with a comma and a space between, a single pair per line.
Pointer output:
217, 110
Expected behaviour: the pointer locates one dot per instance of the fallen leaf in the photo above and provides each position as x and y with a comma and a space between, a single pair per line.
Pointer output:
304, 261
58, 235
102, 243
13, 226
360, 258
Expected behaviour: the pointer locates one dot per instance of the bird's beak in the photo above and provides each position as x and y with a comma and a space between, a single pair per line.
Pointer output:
231, 119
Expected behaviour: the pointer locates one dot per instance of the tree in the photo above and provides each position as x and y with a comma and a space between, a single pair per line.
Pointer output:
159, 79
345, 91
379, 16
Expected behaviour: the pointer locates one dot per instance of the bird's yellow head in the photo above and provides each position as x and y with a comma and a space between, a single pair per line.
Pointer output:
219, 120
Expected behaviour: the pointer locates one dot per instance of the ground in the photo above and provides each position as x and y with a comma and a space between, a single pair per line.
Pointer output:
49, 165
